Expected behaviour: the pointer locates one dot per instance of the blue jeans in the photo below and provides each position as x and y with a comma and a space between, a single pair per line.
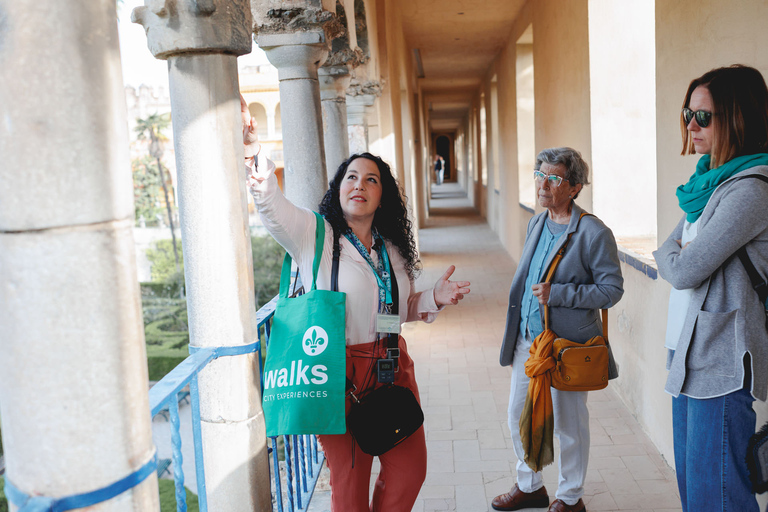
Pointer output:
711, 437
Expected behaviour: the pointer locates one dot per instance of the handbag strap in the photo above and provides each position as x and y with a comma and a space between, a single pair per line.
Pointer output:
555, 262
758, 283
285, 273
551, 272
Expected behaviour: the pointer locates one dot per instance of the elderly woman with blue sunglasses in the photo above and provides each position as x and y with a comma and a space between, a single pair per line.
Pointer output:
716, 327
587, 279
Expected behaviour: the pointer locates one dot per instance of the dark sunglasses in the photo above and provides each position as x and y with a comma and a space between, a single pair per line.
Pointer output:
703, 117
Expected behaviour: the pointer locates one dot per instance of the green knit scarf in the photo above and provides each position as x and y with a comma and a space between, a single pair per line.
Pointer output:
694, 195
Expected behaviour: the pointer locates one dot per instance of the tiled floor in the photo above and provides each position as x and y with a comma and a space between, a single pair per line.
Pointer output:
464, 391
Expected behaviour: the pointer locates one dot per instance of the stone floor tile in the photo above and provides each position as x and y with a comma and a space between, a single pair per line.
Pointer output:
605, 462
466, 451
645, 501
620, 481
450, 435
432, 505
600, 502
642, 467
471, 498
437, 491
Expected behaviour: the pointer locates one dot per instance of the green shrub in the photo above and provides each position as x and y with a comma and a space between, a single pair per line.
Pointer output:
164, 262
3, 501
168, 497
161, 359
166, 326
267, 263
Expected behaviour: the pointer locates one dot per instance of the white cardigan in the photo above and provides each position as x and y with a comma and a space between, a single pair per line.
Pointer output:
294, 228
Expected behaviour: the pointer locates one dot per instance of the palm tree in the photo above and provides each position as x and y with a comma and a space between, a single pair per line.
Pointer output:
151, 128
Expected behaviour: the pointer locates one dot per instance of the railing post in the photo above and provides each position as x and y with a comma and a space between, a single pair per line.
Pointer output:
73, 368
201, 39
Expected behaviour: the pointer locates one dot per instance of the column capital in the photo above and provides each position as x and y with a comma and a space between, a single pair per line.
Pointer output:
294, 18
295, 55
195, 26
334, 81
367, 88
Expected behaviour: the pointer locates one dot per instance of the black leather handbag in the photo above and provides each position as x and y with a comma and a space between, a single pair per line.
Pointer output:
384, 418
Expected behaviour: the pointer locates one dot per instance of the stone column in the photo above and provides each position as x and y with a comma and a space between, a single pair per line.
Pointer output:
334, 81
296, 39
297, 57
73, 369
360, 98
201, 39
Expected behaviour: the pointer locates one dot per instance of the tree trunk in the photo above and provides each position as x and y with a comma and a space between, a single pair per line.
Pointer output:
170, 222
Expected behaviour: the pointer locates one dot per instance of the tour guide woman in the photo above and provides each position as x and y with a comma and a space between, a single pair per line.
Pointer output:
587, 279
716, 328
363, 203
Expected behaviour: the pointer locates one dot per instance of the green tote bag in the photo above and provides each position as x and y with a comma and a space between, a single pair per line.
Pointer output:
305, 371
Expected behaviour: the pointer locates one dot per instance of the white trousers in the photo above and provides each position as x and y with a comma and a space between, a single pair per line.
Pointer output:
571, 429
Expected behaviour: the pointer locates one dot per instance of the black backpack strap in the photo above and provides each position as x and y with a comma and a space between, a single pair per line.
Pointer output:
335, 264
393, 352
758, 282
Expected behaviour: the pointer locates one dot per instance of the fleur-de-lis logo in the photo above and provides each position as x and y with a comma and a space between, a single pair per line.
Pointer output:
315, 341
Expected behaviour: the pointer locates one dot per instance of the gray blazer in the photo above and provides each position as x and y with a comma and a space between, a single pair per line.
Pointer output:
587, 279
725, 319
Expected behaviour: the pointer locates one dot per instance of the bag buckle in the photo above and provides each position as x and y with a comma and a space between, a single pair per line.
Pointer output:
352, 394
393, 353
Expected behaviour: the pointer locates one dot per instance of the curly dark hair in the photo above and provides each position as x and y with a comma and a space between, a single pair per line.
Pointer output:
390, 220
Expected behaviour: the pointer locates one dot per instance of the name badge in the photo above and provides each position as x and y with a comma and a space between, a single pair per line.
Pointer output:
389, 324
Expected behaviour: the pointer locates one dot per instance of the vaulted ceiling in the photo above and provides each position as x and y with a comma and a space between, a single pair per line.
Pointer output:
457, 41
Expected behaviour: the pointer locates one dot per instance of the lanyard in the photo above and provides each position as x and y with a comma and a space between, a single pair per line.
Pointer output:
382, 272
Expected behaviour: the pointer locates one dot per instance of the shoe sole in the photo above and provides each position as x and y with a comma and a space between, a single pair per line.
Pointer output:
541, 504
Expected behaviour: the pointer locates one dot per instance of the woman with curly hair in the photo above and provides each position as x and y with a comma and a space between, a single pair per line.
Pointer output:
366, 209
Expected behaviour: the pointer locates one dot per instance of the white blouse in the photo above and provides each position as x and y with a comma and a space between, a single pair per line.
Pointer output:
679, 300
294, 228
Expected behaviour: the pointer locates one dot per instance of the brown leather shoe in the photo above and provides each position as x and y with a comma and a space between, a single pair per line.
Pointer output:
561, 506
517, 499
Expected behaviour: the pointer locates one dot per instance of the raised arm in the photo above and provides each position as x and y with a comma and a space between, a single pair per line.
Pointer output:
291, 226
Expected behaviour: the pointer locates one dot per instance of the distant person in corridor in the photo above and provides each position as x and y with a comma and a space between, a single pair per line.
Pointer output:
439, 169
716, 329
587, 279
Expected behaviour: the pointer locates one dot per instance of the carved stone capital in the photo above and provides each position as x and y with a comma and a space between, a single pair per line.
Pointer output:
334, 81
369, 87
195, 26
293, 17
295, 55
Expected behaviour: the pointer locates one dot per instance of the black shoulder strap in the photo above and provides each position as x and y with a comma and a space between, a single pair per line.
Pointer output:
392, 339
335, 264
758, 282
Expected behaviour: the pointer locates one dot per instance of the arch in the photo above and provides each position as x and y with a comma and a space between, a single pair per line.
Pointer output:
444, 149
341, 43
258, 112
278, 122
361, 28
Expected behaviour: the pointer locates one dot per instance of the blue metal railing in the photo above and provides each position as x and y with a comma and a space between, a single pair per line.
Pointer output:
303, 459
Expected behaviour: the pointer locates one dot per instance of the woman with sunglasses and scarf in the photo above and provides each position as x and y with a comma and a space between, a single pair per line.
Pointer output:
716, 328
587, 279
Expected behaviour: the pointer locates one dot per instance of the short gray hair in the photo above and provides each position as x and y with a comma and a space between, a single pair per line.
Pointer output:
576, 169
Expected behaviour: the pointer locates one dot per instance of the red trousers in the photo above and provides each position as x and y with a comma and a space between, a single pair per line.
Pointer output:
403, 468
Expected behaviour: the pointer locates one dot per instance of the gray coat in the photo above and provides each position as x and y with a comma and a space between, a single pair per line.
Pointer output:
587, 279
725, 318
